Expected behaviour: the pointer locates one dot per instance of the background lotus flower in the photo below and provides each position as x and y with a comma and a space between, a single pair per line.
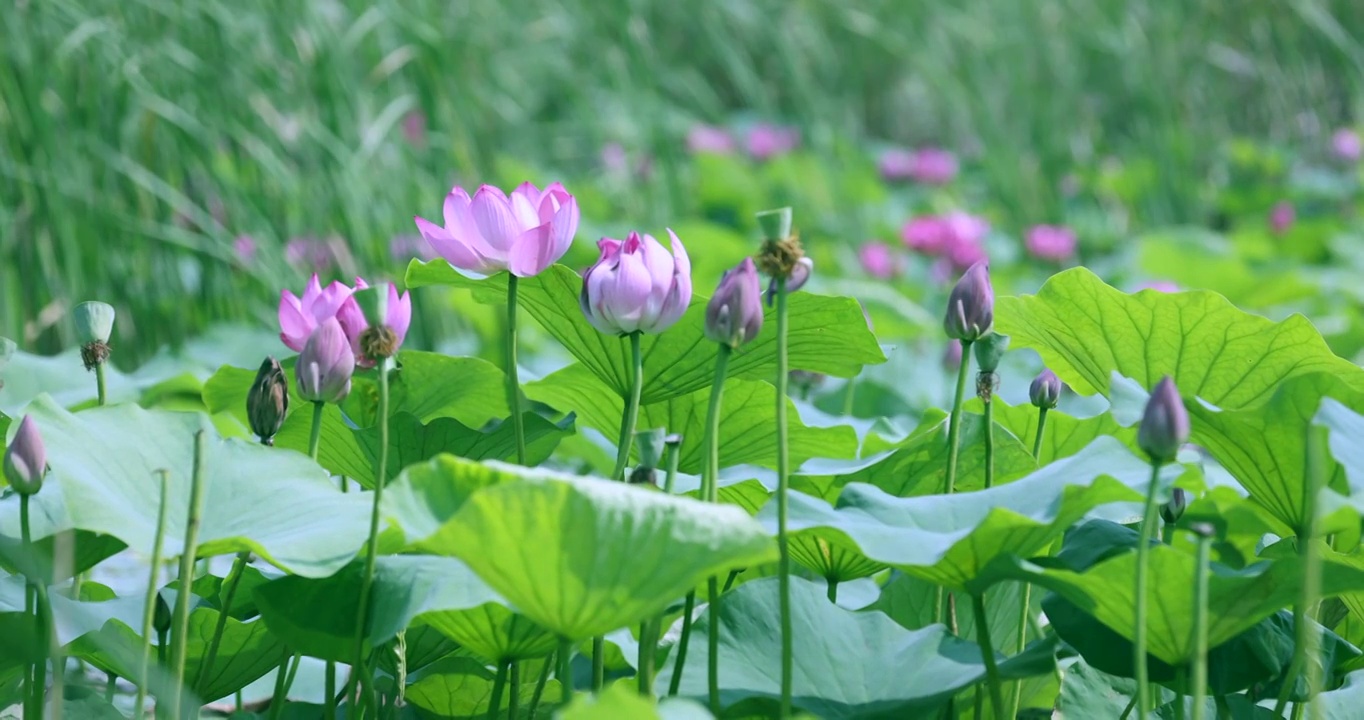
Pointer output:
1281, 217
710, 139
925, 234
26, 458
636, 285
244, 247
951, 356
766, 141
896, 165
1050, 242
933, 166
311, 253
353, 321
971, 305
1164, 286
524, 233
298, 317
878, 260
1346, 144
326, 364
734, 315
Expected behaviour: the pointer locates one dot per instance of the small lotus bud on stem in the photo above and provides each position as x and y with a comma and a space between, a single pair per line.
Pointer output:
1165, 424
94, 325
734, 315
1045, 390
26, 458
268, 401
971, 305
326, 364
1171, 511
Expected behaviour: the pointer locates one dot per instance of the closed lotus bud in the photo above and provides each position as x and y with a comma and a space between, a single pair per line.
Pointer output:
1165, 425
325, 366
734, 315
636, 285
268, 401
800, 274
989, 351
1172, 510
94, 322
971, 306
26, 458
161, 615
1045, 390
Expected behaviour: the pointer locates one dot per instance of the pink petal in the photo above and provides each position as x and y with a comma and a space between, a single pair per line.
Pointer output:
449, 247
493, 215
399, 312
657, 261
460, 224
680, 257
330, 300
295, 327
531, 253
525, 205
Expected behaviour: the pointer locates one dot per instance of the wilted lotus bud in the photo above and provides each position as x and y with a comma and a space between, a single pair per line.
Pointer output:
325, 366
636, 285
734, 315
971, 306
1165, 426
94, 325
1172, 510
1045, 390
268, 401
989, 351
26, 458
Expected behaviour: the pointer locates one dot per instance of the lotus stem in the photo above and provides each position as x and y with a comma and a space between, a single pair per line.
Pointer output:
229, 592
989, 443
330, 700
101, 386
1041, 427
987, 654
1200, 661
372, 551
513, 381
710, 484
941, 611
832, 591
1025, 599
35, 602
499, 685
565, 671
180, 635
1148, 522
315, 436
783, 489
110, 687
514, 695
540, 684
284, 679
314, 442
1306, 637
688, 607
648, 647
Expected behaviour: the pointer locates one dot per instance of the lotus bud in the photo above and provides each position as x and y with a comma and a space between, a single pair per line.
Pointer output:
26, 458
161, 615
1165, 425
636, 285
268, 401
325, 366
1172, 510
734, 315
1045, 390
806, 381
800, 273
989, 351
971, 305
94, 325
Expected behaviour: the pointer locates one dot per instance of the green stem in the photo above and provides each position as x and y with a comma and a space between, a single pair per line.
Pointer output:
832, 591
315, 437
941, 612
1223, 707
987, 653
277, 698
234, 577
648, 648
989, 443
682, 643
33, 600
180, 635
540, 684
499, 684
849, 397
710, 484
1041, 427
372, 551
514, 695
513, 381
101, 385
783, 488
1306, 638
1025, 601
565, 671
1181, 681
330, 701
110, 687
1127, 711
713, 645
1148, 523
1200, 661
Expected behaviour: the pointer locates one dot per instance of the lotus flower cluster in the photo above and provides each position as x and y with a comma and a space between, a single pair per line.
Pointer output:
300, 317
878, 260
929, 166
523, 233
1054, 243
957, 237
636, 285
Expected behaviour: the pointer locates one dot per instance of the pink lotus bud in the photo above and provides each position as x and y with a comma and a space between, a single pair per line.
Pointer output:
800, 274
734, 315
326, 364
298, 317
636, 286
1165, 426
1045, 390
1282, 216
1051, 242
1346, 144
26, 458
524, 233
877, 260
933, 166
767, 141
925, 234
397, 319
971, 305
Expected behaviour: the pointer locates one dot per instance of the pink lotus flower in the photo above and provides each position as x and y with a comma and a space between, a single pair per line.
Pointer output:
1347, 145
353, 321
524, 233
414, 128
709, 139
896, 165
299, 317
244, 246
308, 252
1164, 286
878, 260
951, 356
636, 286
963, 255
933, 166
925, 234
767, 141
1051, 242
614, 158
1282, 216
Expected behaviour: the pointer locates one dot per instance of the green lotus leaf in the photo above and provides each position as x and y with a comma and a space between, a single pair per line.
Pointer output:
461, 688
1063, 435
623, 701
493, 632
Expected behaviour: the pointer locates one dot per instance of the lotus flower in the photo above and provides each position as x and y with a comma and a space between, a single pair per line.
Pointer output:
896, 165
1281, 217
1050, 242
244, 246
26, 458
299, 317
933, 166
767, 141
877, 260
1346, 144
636, 286
524, 233
925, 234
734, 315
1164, 286
1045, 390
1165, 424
971, 306
354, 324
326, 364
709, 139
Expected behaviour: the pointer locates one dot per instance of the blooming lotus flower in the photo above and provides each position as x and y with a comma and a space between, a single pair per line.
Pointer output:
971, 306
1165, 424
767, 141
925, 234
298, 317
1050, 242
1346, 144
524, 233
734, 315
26, 458
1282, 216
709, 139
326, 364
965, 254
353, 321
406, 247
1045, 390
878, 260
933, 166
636, 286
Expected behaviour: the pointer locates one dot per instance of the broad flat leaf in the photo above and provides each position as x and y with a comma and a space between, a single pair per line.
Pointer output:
747, 419
425, 645
1063, 435
461, 687
582, 556
826, 334
836, 563
316, 617
1344, 702
622, 700
275, 503
847, 664
420, 502
953, 540
1085, 330
493, 631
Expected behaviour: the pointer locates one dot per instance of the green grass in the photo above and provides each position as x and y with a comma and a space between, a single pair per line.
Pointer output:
140, 136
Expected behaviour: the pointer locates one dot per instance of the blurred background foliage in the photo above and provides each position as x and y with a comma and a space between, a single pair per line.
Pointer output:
144, 139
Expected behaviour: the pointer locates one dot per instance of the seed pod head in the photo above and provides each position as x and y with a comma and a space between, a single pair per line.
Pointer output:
26, 458
734, 315
971, 305
989, 351
94, 321
775, 224
326, 364
1171, 511
1165, 425
268, 401
649, 447
1045, 390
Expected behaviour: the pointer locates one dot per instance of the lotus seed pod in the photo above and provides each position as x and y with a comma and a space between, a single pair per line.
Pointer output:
26, 458
268, 401
1045, 390
1171, 511
989, 351
94, 321
775, 224
971, 306
649, 447
1165, 425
